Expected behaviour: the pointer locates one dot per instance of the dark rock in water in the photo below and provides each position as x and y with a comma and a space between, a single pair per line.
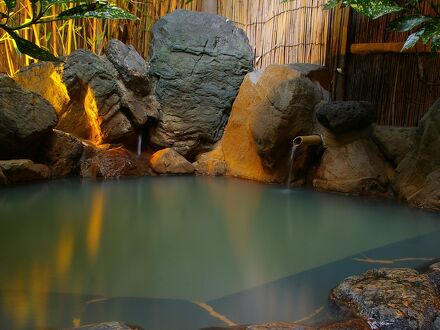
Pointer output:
106, 326
131, 67
394, 142
112, 163
356, 168
62, 151
94, 110
169, 161
419, 172
389, 299
199, 60
25, 118
345, 116
23, 170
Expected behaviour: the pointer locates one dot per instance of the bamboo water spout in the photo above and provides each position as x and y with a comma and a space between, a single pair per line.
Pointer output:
308, 140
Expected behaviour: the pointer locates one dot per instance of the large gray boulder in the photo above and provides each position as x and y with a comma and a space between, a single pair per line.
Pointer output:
418, 171
199, 61
389, 299
25, 118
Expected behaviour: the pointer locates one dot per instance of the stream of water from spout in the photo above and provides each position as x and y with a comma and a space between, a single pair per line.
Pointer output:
292, 157
139, 144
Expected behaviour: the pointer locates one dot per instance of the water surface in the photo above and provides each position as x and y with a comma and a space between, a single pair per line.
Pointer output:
187, 253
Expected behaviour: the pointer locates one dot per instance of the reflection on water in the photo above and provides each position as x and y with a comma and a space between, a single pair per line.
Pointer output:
74, 250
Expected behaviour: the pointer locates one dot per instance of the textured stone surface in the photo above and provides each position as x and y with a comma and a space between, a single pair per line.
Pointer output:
418, 171
105, 326
345, 116
169, 161
394, 142
264, 120
199, 61
23, 170
389, 299
286, 112
61, 151
25, 118
94, 108
131, 67
135, 85
112, 163
356, 168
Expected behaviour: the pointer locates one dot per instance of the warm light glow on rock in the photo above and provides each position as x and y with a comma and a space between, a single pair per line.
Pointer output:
95, 224
91, 110
46, 80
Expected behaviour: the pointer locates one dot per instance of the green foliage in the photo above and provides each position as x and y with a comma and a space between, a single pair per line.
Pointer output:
83, 9
424, 27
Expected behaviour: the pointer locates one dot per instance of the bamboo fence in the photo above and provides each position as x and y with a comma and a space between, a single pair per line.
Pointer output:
295, 31
402, 86
62, 38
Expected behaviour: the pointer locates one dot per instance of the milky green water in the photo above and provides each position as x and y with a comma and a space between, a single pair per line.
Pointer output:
180, 238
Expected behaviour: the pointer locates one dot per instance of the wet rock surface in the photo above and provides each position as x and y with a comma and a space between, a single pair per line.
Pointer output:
169, 161
61, 151
107, 326
418, 173
345, 116
389, 299
23, 170
112, 163
199, 61
25, 118
394, 142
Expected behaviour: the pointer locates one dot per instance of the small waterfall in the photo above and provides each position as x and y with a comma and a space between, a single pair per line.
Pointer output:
139, 144
292, 157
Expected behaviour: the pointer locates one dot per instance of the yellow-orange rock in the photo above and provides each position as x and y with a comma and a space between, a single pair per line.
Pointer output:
169, 161
237, 153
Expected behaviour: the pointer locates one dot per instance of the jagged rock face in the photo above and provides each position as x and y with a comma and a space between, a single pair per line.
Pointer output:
273, 106
23, 170
389, 299
168, 161
94, 106
345, 116
62, 152
394, 142
417, 179
97, 98
199, 61
25, 118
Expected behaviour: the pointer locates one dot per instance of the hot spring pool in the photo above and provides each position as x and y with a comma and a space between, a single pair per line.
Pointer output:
188, 253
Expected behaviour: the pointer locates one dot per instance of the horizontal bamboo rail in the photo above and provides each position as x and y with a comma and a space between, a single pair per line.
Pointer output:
386, 47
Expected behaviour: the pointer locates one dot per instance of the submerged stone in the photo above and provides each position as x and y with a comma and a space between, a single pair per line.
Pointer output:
199, 61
